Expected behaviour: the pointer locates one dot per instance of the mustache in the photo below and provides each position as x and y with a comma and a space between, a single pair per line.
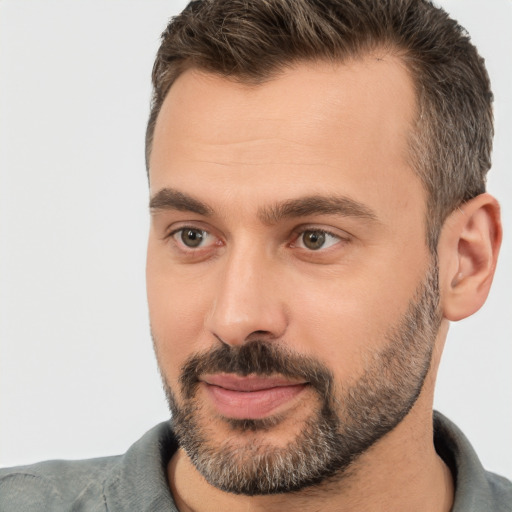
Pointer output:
255, 357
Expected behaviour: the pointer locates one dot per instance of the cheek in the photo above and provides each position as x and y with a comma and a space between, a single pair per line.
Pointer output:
334, 329
346, 320
176, 310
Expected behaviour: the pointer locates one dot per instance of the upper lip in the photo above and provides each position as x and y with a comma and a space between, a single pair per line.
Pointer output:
248, 383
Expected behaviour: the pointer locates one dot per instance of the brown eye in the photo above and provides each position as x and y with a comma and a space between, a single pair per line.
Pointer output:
192, 237
313, 240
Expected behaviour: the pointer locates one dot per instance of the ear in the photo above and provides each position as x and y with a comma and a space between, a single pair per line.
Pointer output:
468, 251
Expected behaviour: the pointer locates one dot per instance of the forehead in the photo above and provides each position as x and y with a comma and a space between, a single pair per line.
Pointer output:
317, 125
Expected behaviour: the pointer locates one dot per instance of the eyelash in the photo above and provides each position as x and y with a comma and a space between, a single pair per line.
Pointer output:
182, 229
296, 234
300, 234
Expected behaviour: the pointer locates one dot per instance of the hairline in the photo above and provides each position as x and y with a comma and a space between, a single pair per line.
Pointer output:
418, 140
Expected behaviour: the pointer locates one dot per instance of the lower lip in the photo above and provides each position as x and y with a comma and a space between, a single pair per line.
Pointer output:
252, 405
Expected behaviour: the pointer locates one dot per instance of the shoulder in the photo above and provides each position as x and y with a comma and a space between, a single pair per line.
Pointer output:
501, 490
134, 481
53, 485
476, 490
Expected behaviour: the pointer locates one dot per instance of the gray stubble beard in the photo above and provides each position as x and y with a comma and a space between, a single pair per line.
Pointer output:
348, 421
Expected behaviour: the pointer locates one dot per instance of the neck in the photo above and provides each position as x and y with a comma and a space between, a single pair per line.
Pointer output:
401, 472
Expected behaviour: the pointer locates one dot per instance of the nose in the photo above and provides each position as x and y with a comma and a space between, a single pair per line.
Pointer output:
247, 301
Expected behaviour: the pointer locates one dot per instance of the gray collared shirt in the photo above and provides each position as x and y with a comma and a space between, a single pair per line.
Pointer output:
136, 481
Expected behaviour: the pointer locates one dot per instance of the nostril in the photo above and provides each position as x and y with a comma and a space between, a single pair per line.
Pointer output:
260, 333
261, 336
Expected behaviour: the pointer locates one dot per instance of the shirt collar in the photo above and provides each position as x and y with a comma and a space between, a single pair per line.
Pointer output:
139, 480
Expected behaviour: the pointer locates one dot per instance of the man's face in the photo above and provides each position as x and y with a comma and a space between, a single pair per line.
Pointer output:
293, 301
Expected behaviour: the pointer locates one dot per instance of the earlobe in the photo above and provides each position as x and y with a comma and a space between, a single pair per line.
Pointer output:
468, 250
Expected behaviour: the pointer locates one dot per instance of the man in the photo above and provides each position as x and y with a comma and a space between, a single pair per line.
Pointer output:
317, 181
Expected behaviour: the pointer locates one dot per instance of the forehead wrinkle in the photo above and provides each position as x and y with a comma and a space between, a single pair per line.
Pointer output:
315, 205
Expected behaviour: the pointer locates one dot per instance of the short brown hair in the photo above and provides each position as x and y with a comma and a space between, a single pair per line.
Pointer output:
252, 40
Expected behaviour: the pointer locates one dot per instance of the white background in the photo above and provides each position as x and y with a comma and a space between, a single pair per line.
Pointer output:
77, 374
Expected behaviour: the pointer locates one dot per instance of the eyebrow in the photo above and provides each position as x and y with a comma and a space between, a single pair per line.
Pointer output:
316, 205
171, 199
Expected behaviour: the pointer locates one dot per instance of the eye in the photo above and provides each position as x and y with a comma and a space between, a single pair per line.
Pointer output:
193, 238
315, 239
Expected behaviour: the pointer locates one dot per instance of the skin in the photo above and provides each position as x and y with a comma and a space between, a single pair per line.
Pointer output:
316, 129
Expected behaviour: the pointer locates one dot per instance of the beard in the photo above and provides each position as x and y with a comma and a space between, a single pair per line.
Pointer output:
348, 419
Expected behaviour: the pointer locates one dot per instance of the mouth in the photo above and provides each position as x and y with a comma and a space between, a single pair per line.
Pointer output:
251, 397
